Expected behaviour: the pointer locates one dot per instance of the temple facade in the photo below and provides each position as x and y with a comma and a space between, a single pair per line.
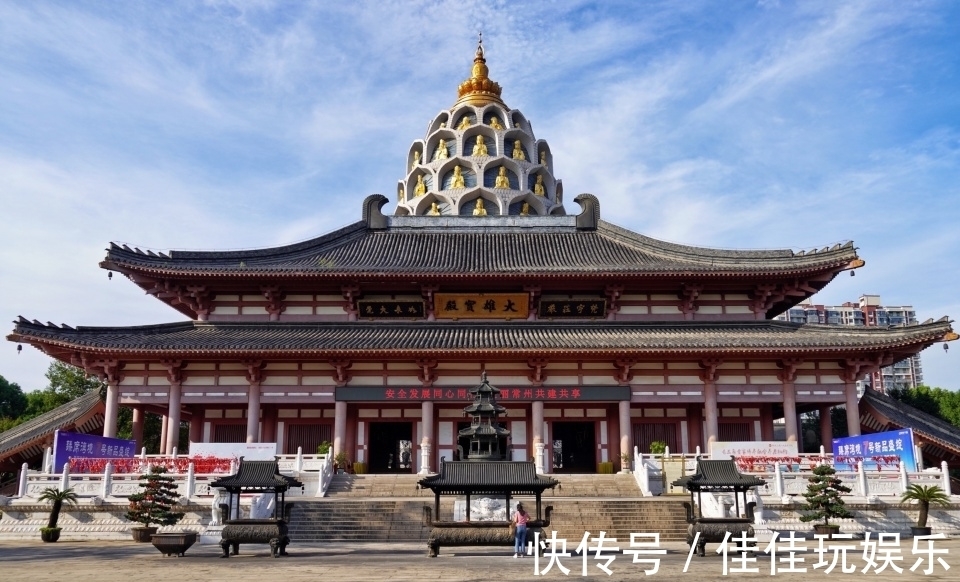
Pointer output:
371, 336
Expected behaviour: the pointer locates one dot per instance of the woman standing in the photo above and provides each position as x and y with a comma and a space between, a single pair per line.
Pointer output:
520, 519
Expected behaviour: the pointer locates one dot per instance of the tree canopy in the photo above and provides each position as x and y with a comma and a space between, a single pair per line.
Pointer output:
944, 404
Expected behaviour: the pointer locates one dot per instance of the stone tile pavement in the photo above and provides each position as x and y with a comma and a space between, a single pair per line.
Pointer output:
99, 561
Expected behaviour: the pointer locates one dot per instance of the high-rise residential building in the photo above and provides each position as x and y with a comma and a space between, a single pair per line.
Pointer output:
867, 312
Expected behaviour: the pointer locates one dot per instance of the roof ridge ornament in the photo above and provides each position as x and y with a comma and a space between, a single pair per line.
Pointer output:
589, 219
479, 89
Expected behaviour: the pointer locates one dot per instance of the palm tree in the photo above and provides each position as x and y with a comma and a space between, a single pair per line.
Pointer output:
58, 498
925, 494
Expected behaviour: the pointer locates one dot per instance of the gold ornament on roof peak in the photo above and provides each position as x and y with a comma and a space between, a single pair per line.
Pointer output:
479, 89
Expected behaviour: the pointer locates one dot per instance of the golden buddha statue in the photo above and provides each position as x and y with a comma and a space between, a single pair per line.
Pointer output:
538, 187
480, 148
464, 123
502, 180
525, 209
420, 189
441, 152
416, 159
443, 124
400, 194
457, 178
434, 210
479, 210
543, 158
518, 151
495, 123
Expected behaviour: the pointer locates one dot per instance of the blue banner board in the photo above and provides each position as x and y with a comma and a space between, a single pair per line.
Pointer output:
88, 446
877, 451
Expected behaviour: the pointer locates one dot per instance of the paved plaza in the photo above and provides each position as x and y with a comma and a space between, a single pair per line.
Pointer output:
93, 561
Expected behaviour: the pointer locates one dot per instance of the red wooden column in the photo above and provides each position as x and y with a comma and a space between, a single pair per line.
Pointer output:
427, 422
137, 426
254, 377
626, 430
826, 427
787, 376
709, 377
853, 370
175, 377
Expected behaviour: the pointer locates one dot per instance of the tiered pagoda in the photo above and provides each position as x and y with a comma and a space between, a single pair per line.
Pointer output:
486, 439
370, 336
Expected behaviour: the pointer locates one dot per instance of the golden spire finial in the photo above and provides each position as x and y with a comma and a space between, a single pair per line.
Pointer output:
479, 89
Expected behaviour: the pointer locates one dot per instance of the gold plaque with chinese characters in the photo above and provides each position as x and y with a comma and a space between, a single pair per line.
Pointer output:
481, 305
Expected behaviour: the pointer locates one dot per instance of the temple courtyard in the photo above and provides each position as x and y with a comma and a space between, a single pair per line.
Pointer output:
130, 562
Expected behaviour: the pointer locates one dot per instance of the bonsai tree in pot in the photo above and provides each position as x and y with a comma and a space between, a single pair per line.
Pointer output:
824, 501
924, 495
342, 461
51, 533
153, 505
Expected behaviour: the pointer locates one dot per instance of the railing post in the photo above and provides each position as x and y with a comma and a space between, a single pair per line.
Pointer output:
666, 452
107, 480
298, 463
65, 477
778, 480
862, 479
698, 451
904, 480
191, 480
24, 472
174, 452
945, 478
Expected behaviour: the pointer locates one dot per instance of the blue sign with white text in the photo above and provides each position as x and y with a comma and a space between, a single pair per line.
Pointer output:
88, 446
877, 451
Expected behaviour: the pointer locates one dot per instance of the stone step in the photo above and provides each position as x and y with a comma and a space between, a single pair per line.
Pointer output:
393, 520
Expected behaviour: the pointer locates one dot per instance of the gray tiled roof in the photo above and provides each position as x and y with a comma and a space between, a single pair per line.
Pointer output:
488, 477
414, 246
375, 338
58, 418
721, 474
257, 475
902, 415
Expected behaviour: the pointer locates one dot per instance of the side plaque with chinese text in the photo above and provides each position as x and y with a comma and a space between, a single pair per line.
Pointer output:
550, 308
390, 309
481, 305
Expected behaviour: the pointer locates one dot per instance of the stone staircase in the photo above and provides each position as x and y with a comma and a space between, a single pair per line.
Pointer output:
384, 508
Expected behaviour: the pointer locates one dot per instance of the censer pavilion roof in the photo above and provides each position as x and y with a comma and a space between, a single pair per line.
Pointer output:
502, 246
501, 339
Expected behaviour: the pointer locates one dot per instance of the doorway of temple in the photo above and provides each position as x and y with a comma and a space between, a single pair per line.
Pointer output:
391, 447
574, 447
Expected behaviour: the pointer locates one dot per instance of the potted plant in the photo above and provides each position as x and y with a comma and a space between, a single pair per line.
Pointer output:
658, 448
342, 461
323, 448
51, 533
153, 505
824, 501
924, 495
625, 459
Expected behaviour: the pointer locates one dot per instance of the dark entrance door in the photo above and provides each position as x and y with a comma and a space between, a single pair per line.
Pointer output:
391, 447
574, 447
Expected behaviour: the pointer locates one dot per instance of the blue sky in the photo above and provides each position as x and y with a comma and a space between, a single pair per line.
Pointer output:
219, 124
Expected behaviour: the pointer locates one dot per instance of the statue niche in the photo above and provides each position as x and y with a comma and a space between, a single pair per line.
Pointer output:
480, 147
502, 181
